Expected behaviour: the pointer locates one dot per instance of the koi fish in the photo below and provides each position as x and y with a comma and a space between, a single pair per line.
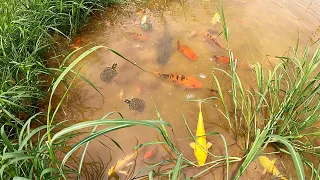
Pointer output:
215, 19
223, 59
181, 80
187, 51
270, 167
200, 146
137, 36
210, 37
127, 161
149, 153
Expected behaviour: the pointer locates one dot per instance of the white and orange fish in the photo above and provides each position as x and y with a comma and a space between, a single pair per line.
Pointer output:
127, 161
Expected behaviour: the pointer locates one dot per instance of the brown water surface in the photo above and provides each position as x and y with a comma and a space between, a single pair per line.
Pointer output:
256, 28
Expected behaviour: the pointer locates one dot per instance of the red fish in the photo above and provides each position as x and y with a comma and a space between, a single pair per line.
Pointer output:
181, 80
187, 51
137, 36
210, 37
223, 59
149, 153
76, 44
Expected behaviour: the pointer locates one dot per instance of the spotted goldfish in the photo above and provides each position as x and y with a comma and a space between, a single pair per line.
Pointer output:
187, 51
137, 36
200, 146
211, 38
270, 167
127, 161
181, 80
223, 59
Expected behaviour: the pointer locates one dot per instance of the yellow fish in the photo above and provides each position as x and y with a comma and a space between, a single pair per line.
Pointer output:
127, 161
270, 167
215, 19
200, 146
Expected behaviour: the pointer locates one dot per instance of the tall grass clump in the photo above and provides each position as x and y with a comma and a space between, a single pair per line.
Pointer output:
26, 29
282, 110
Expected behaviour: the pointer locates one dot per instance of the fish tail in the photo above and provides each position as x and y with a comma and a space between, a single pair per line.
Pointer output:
215, 57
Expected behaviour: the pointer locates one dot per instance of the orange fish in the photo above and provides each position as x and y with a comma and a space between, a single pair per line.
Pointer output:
138, 89
181, 80
76, 44
210, 37
137, 36
187, 51
223, 59
149, 153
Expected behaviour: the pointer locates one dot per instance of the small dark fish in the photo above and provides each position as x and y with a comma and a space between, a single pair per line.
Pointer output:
164, 47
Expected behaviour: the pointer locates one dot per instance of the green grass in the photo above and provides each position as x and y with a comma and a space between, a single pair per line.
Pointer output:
26, 29
281, 111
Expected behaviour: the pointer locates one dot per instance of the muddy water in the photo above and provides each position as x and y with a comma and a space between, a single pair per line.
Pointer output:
257, 29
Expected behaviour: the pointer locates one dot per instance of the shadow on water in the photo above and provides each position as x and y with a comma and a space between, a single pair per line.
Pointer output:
258, 31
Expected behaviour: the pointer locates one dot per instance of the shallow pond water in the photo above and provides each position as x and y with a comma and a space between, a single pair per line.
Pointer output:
259, 30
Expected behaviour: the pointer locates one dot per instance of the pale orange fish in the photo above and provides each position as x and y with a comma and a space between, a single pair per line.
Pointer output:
223, 59
187, 51
137, 36
181, 80
121, 94
211, 38
138, 89
149, 153
249, 66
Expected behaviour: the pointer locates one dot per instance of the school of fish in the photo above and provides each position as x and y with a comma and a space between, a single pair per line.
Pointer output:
200, 145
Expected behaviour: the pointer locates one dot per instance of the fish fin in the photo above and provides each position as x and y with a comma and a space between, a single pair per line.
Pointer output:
264, 171
123, 172
129, 164
199, 104
178, 44
209, 144
193, 145
273, 161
